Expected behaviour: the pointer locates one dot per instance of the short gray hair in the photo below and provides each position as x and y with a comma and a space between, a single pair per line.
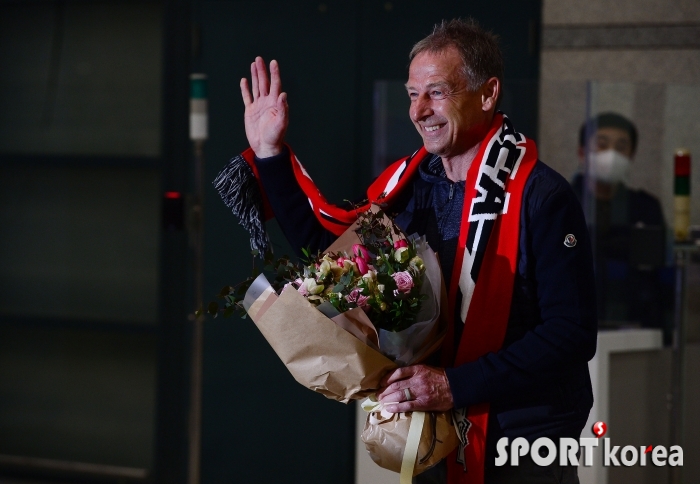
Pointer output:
478, 48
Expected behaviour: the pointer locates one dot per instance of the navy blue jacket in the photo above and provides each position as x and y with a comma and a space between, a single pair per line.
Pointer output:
538, 384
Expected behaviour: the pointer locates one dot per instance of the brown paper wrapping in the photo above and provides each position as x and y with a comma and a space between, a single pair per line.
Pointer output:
356, 322
317, 352
385, 440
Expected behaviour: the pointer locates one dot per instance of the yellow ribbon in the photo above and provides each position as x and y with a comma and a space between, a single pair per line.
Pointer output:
415, 429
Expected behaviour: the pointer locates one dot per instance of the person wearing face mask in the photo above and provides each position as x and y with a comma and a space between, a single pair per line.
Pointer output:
627, 224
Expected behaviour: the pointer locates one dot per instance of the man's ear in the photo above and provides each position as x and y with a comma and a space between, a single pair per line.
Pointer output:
490, 93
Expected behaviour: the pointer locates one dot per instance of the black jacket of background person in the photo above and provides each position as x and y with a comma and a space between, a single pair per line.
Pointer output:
538, 384
630, 290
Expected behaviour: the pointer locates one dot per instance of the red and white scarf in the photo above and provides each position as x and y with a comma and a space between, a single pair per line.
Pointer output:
487, 253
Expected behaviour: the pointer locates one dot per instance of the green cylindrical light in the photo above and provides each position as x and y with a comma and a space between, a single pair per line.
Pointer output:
199, 122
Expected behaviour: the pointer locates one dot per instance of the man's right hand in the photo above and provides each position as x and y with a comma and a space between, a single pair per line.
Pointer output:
266, 109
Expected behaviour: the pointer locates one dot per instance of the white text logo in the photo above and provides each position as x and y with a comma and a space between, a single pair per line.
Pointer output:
544, 452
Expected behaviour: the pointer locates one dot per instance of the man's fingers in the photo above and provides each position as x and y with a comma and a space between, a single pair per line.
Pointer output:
397, 396
395, 391
400, 407
245, 93
275, 81
428, 389
398, 374
282, 102
263, 81
254, 80
398, 386
385, 379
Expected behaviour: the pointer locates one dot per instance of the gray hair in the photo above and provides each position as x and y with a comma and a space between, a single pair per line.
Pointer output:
481, 56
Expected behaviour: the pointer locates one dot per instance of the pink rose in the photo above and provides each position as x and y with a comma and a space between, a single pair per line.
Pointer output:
360, 251
362, 266
404, 281
400, 243
302, 289
356, 297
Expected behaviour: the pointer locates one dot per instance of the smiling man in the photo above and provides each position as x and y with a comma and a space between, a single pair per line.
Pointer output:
512, 241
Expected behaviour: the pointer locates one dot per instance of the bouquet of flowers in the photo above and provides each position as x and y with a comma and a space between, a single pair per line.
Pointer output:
340, 320
385, 283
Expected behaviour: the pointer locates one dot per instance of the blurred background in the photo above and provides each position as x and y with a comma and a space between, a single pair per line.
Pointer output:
104, 374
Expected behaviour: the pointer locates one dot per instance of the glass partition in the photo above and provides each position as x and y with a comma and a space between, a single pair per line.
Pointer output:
625, 182
636, 188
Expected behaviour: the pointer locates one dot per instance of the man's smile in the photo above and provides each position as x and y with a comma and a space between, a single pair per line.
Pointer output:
433, 128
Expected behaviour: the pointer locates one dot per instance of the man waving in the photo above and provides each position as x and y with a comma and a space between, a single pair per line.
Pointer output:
512, 241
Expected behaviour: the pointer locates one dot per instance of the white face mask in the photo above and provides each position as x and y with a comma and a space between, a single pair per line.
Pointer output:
609, 166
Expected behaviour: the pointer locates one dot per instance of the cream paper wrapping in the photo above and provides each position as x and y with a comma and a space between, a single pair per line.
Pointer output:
385, 436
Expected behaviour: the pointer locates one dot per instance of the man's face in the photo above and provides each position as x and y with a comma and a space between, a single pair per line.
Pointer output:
612, 139
449, 117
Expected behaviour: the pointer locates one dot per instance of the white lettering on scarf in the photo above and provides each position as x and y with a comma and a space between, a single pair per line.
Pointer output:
502, 157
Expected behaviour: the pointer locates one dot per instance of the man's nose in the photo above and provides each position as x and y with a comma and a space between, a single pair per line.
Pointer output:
421, 107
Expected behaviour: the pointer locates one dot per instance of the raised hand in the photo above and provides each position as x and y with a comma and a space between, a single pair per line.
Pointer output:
265, 109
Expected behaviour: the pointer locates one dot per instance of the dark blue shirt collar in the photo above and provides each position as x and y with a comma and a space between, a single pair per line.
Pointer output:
432, 170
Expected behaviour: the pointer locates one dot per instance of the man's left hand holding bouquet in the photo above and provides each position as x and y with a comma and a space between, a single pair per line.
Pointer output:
417, 387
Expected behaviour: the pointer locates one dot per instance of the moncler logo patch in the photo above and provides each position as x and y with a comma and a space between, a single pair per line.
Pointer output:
570, 240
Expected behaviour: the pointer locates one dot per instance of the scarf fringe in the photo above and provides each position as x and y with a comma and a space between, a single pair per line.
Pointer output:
240, 191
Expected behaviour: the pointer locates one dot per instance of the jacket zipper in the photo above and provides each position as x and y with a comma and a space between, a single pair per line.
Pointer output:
452, 190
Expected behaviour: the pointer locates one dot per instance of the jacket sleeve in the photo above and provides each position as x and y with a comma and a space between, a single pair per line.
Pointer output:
565, 339
290, 205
